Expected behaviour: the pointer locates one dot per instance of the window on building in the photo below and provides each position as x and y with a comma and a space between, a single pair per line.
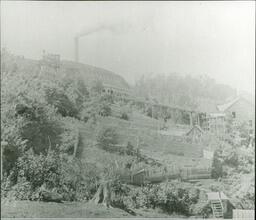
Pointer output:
234, 114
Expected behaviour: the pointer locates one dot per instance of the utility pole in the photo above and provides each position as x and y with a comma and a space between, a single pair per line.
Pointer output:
191, 119
138, 140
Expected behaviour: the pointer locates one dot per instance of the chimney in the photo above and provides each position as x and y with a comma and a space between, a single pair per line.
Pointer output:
76, 49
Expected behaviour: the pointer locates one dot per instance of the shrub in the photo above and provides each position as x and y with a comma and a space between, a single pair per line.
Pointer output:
202, 209
217, 167
69, 136
130, 149
21, 191
97, 105
124, 116
169, 197
124, 112
105, 110
43, 131
107, 139
55, 172
61, 102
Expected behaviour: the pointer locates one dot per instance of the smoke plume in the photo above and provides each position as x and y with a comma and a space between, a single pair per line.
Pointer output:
117, 28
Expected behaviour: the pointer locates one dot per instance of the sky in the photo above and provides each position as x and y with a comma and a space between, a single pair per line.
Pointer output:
140, 38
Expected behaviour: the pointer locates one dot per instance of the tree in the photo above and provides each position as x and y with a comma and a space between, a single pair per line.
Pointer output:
109, 178
61, 102
217, 167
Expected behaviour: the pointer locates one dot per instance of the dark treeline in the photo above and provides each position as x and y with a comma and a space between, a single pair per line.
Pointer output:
185, 91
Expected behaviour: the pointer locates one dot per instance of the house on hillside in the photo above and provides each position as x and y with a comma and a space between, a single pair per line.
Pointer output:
213, 120
241, 109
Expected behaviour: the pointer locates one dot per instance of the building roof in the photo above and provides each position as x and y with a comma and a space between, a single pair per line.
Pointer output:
227, 105
207, 105
195, 127
216, 196
216, 115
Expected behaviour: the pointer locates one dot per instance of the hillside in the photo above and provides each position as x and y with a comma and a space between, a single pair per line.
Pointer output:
65, 137
91, 73
87, 72
141, 132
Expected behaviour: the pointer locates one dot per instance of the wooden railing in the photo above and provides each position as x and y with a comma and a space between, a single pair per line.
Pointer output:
149, 176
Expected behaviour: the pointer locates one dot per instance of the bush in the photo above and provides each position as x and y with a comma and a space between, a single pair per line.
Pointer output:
105, 110
169, 197
203, 209
124, 112
21, 191
217, 167
54, 172
61, 102
107, 139
130, 149
97, 105
124, 116
39, 169
69, 136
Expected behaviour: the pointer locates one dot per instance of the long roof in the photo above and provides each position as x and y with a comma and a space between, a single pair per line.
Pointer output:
207, 105
195, 127
227, 105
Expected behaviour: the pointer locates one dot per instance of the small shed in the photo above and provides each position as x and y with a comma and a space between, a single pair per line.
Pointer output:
139, 177
195, 134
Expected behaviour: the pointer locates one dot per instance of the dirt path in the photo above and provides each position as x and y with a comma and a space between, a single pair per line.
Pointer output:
29, 209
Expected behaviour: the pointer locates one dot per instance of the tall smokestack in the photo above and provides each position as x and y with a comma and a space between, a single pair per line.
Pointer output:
76, 49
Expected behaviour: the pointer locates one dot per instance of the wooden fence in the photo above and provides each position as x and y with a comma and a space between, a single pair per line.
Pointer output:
144, 176
240, 214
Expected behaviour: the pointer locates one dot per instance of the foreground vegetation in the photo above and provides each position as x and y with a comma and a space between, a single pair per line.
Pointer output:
42, 114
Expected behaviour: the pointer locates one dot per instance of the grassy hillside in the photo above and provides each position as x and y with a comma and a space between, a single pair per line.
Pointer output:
142, 132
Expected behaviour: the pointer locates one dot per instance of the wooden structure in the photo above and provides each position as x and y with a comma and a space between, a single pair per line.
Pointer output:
216, 123
195, 134
220, 204
144, 176
50, 60
240, 214
195, 173
241, 109
139, 177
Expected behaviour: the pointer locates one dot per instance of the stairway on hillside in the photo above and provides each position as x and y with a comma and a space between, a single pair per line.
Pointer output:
217, 208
